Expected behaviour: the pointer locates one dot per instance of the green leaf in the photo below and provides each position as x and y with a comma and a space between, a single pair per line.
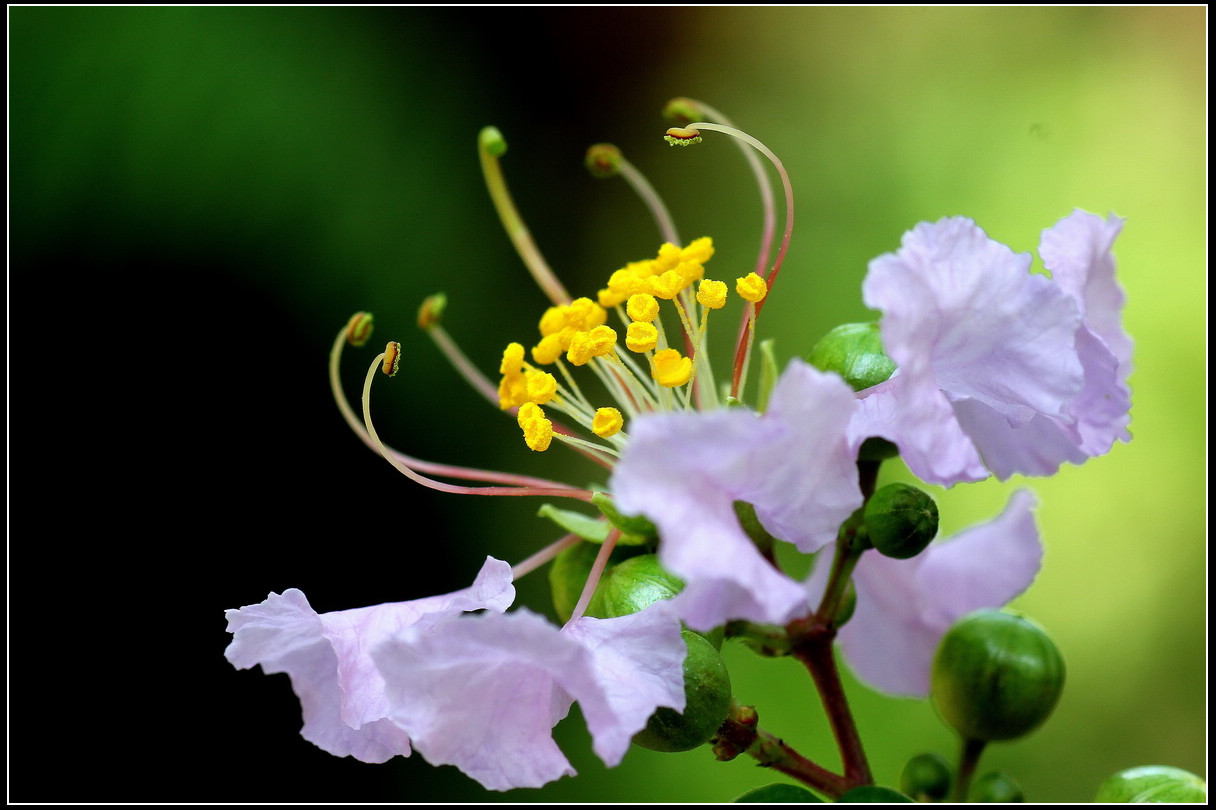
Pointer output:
873, 794
636, 530
779, 794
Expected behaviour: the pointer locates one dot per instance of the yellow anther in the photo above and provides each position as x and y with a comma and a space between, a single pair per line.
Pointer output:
538, 431
594, 343
392, 358
512, 360
541, 386
751, 288
642, 307
670, 369
668, 285
359, 328
682, 136
641, 337
669, 257
512, 391
607, 422
548, 350
698, 250
690, 271
585, 314
711, 294
553, 321
608, 299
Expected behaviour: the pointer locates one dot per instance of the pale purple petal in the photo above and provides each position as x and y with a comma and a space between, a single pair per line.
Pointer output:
326, 657
904, 607
484, 692
639, 666
794, 464
1031, 371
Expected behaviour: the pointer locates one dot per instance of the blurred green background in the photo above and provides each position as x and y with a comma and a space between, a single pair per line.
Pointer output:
200, 197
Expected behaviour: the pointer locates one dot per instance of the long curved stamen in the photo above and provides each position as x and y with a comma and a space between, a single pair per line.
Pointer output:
606, 160
691, 134
593, 578
683, 111
491, 146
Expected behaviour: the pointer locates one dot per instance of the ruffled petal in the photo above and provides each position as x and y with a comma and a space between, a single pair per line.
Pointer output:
479, 692
684, 472
638, 663
327, 658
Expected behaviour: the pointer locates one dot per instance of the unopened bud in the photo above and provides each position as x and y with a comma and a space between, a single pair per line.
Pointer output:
996, 676
926, 777
708, 692
996, 787
901, 521
1153, 783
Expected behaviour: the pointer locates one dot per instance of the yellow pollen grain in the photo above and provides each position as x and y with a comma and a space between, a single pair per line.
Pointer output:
751, 288
512, 359
541, 386
538, 431
607, 422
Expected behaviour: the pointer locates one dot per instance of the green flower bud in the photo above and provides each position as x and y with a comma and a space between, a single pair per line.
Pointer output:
1152, 783
707, 687
854, 351
997, 787
901, 521
927, 778
996, 676
632, 585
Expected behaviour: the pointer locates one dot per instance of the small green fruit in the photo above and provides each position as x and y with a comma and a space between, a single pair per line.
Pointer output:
996, 676
707, 688
901, 521
926, 777
1153, 783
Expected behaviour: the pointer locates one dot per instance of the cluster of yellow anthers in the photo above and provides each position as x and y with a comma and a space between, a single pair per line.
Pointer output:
579, 331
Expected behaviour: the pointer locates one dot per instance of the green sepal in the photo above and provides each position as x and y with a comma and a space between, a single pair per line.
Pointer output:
779, 794
873, 794
635, 529
769, 372
752, 527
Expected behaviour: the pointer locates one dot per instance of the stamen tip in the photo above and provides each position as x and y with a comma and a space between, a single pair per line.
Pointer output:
359, 328
681, 136
392, 358
431, 311
491, 141
683, 110
603, 160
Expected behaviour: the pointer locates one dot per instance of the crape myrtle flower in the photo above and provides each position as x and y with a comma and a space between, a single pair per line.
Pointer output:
999, 370
904, 607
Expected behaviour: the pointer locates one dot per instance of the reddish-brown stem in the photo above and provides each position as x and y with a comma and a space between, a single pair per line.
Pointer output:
736, 737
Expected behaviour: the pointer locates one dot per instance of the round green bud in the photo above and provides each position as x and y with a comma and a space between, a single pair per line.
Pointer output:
996, 676
901, 521
632, 585
707, 689
1152, 783
854, 351
997, 787
926, 777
